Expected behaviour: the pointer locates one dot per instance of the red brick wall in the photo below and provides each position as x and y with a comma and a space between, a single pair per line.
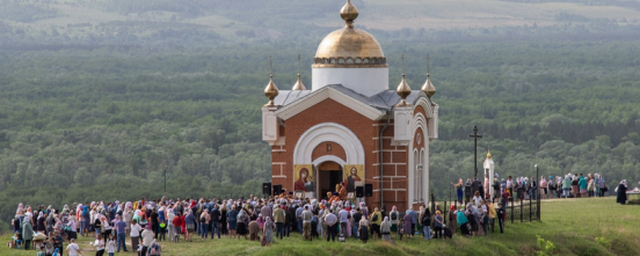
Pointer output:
395, 157
325, 111
323, 149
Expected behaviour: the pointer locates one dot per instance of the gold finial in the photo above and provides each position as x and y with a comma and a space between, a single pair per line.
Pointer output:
349, 13
298, 86
489, 153
403, 89
271, 91
428, 87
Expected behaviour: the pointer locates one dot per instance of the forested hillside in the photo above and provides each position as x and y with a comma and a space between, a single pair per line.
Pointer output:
85, 117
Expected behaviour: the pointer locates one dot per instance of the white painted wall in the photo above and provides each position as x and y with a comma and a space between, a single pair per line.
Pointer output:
366, 81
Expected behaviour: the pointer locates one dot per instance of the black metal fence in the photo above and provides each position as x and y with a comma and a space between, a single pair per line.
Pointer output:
516, 210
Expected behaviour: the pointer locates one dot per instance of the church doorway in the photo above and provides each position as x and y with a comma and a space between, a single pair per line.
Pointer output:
329, 175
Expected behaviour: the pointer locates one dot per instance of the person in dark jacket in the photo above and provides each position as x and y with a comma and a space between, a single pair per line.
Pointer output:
215, 221
622, 192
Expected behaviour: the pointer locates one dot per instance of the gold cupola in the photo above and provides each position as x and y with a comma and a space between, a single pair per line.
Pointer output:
428, 87
489, 153
349, 47
271, 91
403, 88
298, 86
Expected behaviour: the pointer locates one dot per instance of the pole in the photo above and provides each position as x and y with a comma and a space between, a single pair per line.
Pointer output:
538, 199
165, 181
475, 137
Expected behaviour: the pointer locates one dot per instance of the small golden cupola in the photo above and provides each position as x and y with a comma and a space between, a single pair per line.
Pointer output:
428, 87
298, 86
489, 153
403, 89
271, 91
349, 13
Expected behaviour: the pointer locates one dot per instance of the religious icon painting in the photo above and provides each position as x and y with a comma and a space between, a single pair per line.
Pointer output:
353, 176
303, 178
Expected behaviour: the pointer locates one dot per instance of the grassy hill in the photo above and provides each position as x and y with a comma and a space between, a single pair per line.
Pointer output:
574, 227
153, 22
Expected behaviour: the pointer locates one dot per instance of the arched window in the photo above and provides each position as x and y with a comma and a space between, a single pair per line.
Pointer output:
416, 177
422, 175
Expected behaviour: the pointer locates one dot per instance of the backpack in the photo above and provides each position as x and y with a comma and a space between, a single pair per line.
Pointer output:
203, 219
394, 215
375, 217
49, 248
154, 249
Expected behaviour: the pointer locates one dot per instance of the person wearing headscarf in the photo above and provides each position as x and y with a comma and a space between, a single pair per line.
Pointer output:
267, 231
27, 232
566, 186
385, 229
622, 192
463, 222
363, 227
394, 217
241, 225
190, 223
41, 226
254, 230
408, 223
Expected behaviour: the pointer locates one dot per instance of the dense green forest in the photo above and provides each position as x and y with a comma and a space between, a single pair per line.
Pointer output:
88, 116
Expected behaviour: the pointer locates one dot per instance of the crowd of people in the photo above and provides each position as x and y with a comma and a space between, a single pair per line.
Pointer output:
146, 223
525, 188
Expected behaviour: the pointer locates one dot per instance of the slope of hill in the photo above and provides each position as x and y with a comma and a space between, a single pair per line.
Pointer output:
187, 23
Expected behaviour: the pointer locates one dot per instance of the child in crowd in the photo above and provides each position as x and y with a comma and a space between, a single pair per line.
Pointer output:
41, 251
111, 245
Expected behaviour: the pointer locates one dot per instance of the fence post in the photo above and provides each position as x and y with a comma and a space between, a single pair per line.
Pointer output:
445, 210
522, 211
530, 210
512, 210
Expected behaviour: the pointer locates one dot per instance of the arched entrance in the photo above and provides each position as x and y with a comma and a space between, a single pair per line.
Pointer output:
329, 175
327, 165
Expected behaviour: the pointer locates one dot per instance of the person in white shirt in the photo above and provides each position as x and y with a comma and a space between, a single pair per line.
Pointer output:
331, 221
73, 249
99, 244
135, 233
147, 239
111, 245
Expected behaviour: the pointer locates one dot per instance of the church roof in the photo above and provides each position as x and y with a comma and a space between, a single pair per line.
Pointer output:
380, 103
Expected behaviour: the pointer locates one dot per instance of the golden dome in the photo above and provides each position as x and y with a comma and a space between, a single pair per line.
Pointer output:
298, 86
271, 91
403, 90
489, 153
428, 87
349, 47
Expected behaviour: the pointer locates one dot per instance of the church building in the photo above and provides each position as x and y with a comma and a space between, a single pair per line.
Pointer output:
350, 128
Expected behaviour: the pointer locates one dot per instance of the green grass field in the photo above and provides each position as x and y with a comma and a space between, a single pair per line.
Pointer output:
575, 227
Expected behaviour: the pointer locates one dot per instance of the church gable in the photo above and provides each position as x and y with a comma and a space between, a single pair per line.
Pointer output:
341, 98
329, 110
